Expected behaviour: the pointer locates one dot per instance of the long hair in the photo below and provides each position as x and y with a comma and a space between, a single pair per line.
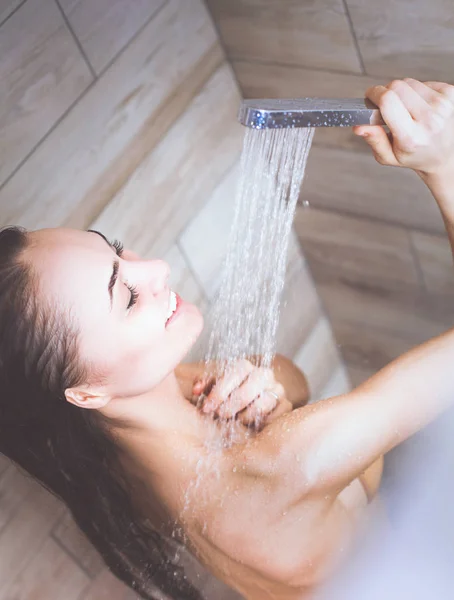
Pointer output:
69, 450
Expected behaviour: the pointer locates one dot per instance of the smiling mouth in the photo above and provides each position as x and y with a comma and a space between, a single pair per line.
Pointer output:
174, 304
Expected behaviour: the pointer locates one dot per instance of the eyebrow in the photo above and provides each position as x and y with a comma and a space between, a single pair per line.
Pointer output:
115, 267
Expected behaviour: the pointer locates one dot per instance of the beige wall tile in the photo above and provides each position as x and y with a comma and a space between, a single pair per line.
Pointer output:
77, 545
370, 347
104, 27
436, 260
14, 488
177, 178
409, 314
280, 81
90, 155
4, 463
42, 74
7, 7
24, 534
205, 239
108, 587
409, 38
318, 357
359, 375
51, 575
314, 34
358, 250
355, 183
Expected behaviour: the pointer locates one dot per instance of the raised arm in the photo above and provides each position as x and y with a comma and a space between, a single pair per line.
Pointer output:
332, 442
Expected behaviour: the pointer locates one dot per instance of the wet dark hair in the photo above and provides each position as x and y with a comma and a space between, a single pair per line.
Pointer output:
69, 450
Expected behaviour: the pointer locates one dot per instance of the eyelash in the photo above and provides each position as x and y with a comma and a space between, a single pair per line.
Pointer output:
134, 293
134, 296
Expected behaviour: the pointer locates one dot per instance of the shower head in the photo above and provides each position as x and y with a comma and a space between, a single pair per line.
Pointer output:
308, 112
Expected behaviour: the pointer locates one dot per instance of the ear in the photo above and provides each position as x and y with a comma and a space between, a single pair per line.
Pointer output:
86, 399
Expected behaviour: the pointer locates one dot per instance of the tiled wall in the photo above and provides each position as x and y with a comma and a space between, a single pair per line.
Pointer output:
373, 237
121, 115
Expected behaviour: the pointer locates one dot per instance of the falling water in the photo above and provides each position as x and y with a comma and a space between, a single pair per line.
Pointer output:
246, 311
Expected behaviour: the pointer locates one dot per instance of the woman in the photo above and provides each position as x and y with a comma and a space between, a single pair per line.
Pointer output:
95, 404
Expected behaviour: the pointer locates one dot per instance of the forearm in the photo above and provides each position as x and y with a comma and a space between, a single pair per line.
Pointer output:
333, 441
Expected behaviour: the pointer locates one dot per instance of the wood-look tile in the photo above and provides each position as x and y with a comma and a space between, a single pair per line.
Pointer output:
4, 463
436, 261
359, 375
358, 250
84, 162
177, 178
368, 347
408, 314
107, 587
104, 27
51, 575
409, 38
77, 545
42, 74
318, 357
25, 533
14, 489
280, 81
205, 239
312, 34
7, 7
355, 183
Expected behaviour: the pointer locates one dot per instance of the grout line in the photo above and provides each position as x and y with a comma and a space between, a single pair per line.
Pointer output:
265, 63
377, 220
76, 40
46, 135
355, 39
78, 99
223, 47
12, 13
136, 35
72, 556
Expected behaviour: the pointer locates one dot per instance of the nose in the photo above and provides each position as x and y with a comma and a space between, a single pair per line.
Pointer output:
149, 275
160, 272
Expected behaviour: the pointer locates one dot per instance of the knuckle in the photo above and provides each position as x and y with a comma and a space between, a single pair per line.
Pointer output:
388, 98
396, 85
443, 106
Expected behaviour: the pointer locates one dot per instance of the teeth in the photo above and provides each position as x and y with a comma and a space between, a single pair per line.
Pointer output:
172, 305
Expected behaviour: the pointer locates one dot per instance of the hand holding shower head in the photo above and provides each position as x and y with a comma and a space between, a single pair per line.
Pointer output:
309, 112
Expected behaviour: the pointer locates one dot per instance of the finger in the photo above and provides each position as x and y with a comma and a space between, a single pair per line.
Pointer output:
254, 385
393, 110
416, 104
437, 101
259, 409
203, 385
378, 140
231, 379
442, 88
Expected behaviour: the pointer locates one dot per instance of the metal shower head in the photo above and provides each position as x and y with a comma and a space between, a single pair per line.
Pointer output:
308, 112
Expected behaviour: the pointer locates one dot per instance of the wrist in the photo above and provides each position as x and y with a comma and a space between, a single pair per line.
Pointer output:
442, 177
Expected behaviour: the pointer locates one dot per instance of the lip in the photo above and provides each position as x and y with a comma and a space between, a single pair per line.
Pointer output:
177, 310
